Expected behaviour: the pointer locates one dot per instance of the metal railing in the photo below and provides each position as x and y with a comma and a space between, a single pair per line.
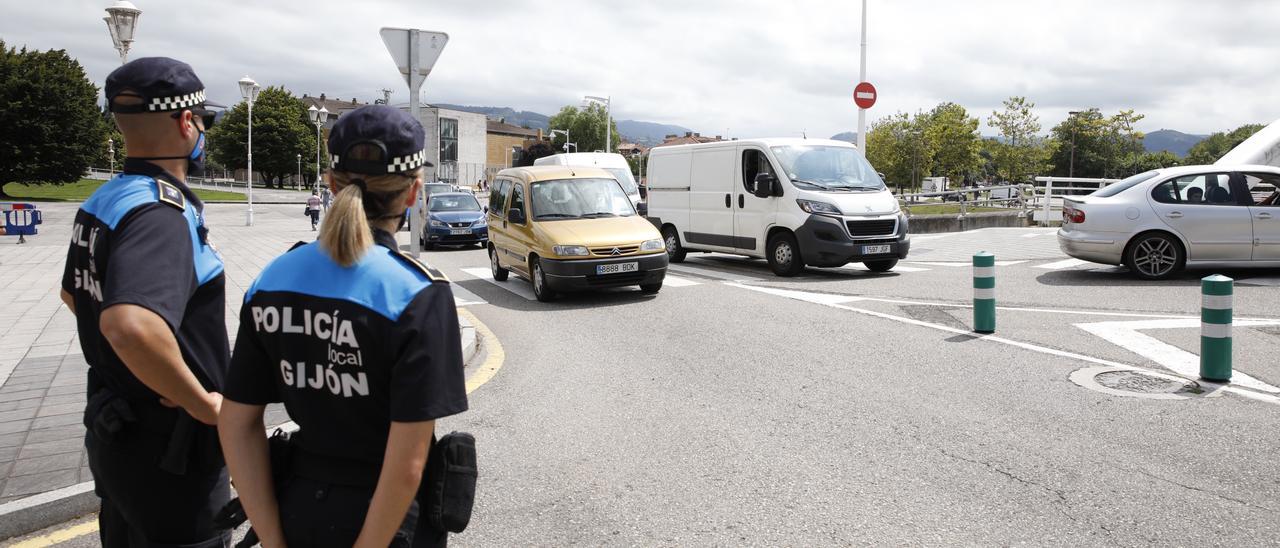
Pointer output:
1051, 190
1012, 197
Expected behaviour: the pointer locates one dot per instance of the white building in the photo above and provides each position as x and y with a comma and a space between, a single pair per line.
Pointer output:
456, 144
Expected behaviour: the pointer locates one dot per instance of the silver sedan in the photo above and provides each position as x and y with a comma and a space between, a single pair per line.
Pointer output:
1160, 222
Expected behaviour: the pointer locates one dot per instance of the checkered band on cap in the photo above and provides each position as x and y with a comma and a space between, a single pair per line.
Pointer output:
164, 104
407, 163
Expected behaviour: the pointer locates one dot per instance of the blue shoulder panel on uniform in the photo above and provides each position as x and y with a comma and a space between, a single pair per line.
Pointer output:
119, 196
378, 281
208, 261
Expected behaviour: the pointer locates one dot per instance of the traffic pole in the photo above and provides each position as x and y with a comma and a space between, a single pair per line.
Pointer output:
984, 292
1215, 328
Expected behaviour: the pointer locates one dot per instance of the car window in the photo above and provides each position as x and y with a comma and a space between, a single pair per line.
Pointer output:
1207, 189
454, 202
498, 196
1264, 188
1124, 185
754, 162
517, 199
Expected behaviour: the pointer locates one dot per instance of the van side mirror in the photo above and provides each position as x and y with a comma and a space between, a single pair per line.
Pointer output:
644, 193
486, 209
764, 185
642, 209
516, 216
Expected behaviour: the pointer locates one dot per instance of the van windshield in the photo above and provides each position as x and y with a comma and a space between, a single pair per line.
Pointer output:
623, 175
832, 168
579, 199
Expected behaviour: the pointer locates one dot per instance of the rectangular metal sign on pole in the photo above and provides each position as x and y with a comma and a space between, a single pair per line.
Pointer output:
415, 52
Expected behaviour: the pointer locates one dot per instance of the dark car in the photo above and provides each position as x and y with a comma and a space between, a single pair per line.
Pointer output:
454, 218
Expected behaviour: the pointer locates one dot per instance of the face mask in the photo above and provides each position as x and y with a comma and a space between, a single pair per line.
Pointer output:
195, 161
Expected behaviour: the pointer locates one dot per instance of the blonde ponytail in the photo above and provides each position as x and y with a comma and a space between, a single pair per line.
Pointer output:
345, 234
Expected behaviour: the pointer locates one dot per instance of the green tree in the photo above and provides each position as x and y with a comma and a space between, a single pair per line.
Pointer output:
900, 146
1083, 149
955, 139
51, 129
1023, 153
1124, 144
1215, 146
1148, 161
586, 128
281, 132
103, 159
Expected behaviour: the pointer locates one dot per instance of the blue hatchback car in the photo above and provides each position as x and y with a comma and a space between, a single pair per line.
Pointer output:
454, 218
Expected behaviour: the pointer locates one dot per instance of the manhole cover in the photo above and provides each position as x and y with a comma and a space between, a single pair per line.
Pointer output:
1141, 383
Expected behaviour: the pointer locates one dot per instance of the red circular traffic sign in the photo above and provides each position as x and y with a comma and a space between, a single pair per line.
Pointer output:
864, 95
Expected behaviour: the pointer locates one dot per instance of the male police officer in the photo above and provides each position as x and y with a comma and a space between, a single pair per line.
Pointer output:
147, 289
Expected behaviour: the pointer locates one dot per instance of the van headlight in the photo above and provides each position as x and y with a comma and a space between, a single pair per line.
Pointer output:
652, 245
570, 250
820, 208
904, 222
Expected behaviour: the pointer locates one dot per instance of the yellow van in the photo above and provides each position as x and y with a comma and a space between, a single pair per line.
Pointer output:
570, 229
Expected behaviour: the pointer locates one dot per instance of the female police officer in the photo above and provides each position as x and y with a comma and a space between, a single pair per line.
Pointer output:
360, 343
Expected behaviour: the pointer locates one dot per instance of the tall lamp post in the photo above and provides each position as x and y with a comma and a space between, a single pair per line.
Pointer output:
298, 182
564, 132
111, 156
1071, 167
249, 91
608, 120
122, 20
318, 117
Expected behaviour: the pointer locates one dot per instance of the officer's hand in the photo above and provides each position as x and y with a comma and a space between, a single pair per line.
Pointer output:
208, 410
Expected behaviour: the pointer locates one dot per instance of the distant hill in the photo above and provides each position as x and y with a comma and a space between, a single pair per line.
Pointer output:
522, 118
848, 137
1176, 142
648, 133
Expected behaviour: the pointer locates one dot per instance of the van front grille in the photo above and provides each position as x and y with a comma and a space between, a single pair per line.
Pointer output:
877, 227
608, 251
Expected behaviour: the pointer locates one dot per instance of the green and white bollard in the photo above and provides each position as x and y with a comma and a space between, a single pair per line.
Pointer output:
984, 293
1215, 328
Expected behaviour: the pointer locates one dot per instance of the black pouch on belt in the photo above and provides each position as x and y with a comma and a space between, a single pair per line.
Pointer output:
107, 415
449, 491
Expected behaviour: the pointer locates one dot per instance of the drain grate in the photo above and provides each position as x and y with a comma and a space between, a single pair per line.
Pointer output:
1141, 383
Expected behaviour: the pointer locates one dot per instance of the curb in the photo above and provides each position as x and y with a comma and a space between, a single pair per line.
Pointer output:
28, 515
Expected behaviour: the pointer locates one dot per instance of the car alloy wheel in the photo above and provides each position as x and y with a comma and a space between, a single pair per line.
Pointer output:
1155, 257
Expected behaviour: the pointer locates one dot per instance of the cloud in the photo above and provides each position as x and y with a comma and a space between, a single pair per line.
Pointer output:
748, 68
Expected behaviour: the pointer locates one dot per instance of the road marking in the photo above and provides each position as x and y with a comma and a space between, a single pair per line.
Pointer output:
928, 237
967, 263
831, 301
676, 281
61, 535
715, 274
1069, 263
903, 269
513, 284
495, 355
1127, 335
462, 297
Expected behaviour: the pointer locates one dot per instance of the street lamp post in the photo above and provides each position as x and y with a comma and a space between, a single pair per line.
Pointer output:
122, 20
564, 132
318, 117
298, 182
111, 156
249, 91
1071, 167
608, 120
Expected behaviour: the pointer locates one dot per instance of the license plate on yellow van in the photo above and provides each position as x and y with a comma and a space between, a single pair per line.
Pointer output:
876, 249
616, 268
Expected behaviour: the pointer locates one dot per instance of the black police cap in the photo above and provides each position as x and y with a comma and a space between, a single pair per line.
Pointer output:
163, 84
399, 137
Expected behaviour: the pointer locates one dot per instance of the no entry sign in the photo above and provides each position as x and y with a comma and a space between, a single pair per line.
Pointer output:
864, 95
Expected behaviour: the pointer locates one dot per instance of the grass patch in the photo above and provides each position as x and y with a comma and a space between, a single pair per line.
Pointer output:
80, 191
952, 209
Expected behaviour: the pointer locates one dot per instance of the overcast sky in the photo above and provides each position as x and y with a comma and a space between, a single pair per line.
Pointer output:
738, 67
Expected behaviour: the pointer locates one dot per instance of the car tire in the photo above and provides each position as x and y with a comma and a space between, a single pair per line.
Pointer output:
675, 251
880, 266
651, 288
499, 274
539, 278
784, 255
428, 246
1155, 256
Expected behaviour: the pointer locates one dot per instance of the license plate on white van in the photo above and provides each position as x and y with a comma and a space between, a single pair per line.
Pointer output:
876, 249
616, 268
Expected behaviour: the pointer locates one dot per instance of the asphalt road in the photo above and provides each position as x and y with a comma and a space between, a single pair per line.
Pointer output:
843, 407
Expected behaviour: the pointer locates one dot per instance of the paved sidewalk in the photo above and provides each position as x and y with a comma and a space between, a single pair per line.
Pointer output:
42, 370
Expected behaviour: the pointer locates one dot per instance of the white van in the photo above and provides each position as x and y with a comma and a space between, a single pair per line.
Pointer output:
615, 164
794, 202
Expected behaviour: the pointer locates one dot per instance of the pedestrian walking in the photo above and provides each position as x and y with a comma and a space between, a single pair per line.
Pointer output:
360, 342
147, 289
313, 208
326, 199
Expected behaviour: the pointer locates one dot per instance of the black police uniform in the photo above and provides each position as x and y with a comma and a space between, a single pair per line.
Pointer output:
140, 240
348, 350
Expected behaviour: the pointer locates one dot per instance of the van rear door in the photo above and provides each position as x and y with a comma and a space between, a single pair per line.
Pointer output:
711, 201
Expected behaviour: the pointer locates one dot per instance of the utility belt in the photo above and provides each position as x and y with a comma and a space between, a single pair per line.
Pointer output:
146, 429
